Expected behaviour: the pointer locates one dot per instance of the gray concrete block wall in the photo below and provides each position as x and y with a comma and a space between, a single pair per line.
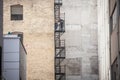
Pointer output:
81, 38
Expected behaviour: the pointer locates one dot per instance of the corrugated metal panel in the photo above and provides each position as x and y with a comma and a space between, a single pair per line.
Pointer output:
11, 65
11, 45
11, 57
11, 75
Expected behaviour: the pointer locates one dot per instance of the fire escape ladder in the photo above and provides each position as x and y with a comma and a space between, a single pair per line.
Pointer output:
59, 43
60, 53
58, 61
61, 78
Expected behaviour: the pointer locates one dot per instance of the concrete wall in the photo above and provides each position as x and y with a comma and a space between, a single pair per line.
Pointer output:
38, 28
103, 40
81, 39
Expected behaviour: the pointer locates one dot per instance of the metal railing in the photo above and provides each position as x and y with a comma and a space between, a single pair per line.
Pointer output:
60, 53
62, 16
60, 43
60, 69
59, 61
60, 72
60, 26
60, 23
59, 77
58, 2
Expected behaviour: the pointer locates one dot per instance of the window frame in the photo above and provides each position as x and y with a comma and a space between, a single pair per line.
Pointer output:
16, 17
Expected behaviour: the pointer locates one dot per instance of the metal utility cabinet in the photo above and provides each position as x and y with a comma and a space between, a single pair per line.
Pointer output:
14, 58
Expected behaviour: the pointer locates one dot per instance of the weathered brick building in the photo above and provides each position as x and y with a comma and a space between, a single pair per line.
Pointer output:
85, 37
35, 18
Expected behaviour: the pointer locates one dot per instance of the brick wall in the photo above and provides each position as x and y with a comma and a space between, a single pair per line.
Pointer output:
38, 29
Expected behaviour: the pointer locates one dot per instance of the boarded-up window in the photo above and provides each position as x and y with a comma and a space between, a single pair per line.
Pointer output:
16, 12
73, 66
94, 65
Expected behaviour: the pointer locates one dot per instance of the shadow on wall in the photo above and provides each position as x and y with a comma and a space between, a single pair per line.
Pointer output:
1, 34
